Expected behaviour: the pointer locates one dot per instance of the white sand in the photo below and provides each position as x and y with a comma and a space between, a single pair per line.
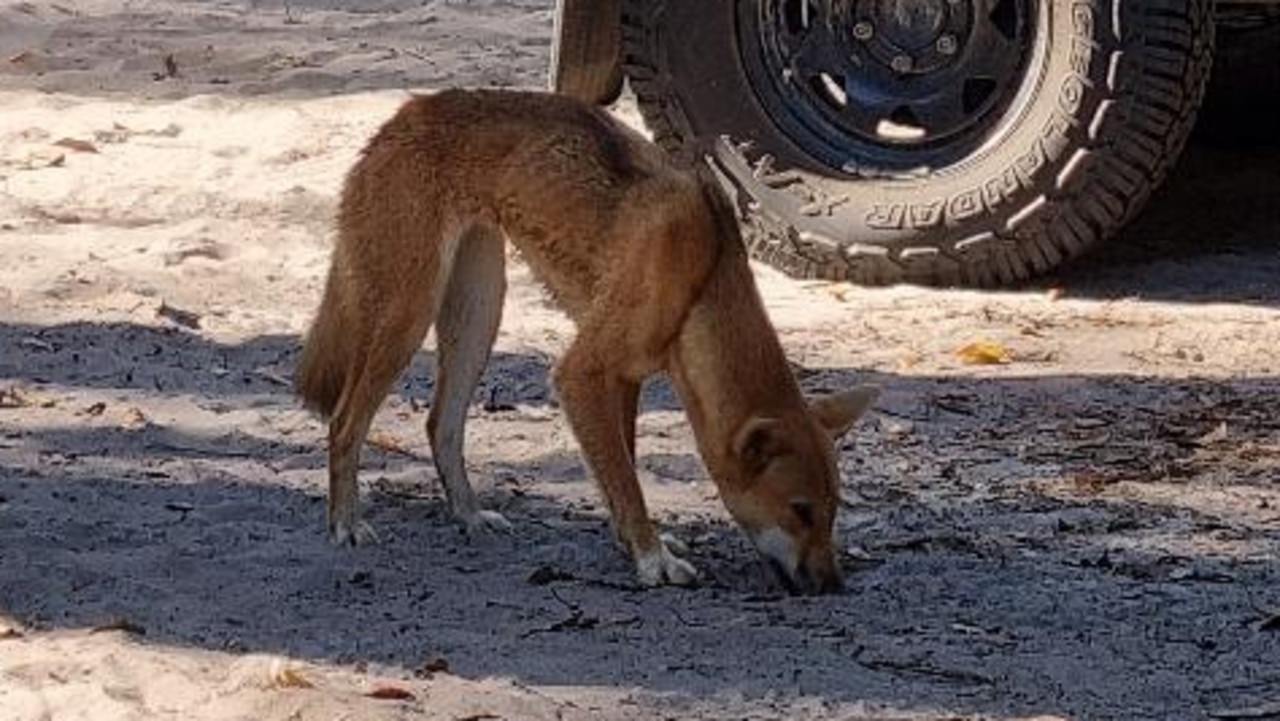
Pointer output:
160, 474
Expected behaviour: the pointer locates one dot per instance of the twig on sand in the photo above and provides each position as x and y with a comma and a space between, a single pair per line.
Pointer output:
920, 668
386, 442
273, 377
1261, 711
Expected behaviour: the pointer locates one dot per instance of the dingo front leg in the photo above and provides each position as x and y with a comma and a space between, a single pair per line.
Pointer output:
600, 407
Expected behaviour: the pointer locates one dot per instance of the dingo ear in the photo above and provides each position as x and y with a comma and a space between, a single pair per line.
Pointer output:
838, 411
757, 442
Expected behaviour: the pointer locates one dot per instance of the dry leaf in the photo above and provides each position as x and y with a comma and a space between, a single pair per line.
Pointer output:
439, 664
839, 291
8, 632
284, 676
541, 576
80, 146
117, 134
38, 344
391, 693
387, 442
1091, 482
96, 409
38, 159
1217, 435
984, 352
134, 419
184, 318
14, 398
56, 160
120, 624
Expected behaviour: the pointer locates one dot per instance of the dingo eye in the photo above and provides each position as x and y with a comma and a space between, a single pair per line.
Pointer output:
803, 511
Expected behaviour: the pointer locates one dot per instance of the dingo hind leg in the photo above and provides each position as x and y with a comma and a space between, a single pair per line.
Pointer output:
388, 303
466, 327
389, 348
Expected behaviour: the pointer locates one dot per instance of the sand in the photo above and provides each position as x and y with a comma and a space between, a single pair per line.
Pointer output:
1089, 531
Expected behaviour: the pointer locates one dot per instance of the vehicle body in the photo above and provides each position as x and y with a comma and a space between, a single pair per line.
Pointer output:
941, 142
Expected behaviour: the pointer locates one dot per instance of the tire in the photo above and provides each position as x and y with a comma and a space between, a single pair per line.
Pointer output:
1095, 111
585, 55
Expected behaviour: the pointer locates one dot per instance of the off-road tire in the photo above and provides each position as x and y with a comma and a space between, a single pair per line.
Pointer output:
1120, 83
584, 59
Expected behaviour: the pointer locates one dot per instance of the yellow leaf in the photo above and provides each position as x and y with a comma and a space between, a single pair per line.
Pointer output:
984, 352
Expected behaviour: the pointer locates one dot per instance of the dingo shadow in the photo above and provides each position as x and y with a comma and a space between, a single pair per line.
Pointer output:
1043, 545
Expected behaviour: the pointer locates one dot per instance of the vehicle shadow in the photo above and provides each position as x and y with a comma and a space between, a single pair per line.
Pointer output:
1086, 546
127, 358
1211, 233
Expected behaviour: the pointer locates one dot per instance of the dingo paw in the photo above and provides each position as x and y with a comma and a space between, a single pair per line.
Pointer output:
673, 543
352, 533
662, 567
484, 523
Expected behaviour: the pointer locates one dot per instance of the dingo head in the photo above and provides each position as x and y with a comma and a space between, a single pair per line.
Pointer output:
784, 488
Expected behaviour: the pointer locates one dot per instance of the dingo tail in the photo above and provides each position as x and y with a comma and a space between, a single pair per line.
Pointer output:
327, 355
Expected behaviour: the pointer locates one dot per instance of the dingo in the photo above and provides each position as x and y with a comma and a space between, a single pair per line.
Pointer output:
648, 262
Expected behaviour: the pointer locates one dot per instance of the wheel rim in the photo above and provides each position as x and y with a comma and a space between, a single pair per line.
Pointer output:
887, 85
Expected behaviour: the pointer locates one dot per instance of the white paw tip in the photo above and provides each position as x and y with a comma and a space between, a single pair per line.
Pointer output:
673, 543
352, 533
662, 567
484, 522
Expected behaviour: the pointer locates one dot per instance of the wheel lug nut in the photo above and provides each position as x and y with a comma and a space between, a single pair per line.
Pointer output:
901, 64
864, 31
947, 45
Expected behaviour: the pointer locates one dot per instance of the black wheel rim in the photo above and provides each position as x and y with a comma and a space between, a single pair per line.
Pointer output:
876, 86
